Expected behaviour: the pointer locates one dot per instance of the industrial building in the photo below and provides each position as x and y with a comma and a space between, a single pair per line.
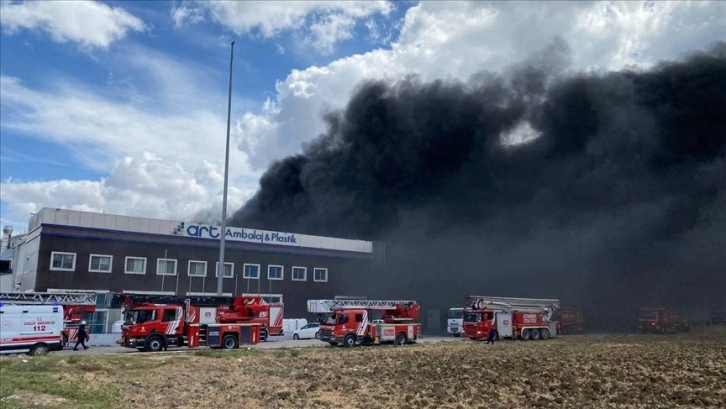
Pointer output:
68, 250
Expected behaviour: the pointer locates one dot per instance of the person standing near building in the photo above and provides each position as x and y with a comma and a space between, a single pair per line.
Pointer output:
82, 336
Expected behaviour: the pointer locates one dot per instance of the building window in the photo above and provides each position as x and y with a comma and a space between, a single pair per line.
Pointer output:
320, 274
275, 272
135, 265
166, 267
97, 321
299, 273
63, 261
228, 270
99, 263
197, 268
273, 299
252, 271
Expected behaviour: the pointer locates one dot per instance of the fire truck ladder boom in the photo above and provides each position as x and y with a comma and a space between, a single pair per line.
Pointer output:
327, 306
49, 298
522, 304
199, 301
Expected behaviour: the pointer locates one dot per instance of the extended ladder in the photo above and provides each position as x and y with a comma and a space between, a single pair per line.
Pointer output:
49, 298
545, 305
327, 306
198, 301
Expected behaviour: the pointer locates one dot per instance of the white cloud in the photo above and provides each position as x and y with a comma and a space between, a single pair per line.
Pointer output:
456, 40
89, 23
186, 14
163, 156
326, 23
148, 185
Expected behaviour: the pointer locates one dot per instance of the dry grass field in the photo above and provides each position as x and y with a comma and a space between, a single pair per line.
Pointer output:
592, 371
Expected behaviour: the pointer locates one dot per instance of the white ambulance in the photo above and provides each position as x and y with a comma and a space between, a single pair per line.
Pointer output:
31, 329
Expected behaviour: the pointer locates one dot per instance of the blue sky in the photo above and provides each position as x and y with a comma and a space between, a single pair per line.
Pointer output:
121, 106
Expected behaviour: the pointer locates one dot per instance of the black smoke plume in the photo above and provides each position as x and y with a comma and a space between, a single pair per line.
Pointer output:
620, 201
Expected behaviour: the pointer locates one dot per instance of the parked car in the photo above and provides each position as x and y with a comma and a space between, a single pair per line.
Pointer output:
308, 331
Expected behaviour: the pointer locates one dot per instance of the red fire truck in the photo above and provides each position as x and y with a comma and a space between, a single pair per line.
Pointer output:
660, 320
525, 318
569, 321
76, 307
352, 322
154, 323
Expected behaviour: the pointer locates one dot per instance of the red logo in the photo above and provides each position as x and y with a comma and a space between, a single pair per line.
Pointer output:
505, 322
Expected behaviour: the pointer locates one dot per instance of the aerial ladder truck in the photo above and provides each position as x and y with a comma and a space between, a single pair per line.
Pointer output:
523, 318
352, 322
156, 322
76, 306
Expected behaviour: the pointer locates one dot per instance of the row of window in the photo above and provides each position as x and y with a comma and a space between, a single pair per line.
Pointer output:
101, 263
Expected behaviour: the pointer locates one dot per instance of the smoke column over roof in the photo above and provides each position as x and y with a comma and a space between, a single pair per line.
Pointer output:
619, 201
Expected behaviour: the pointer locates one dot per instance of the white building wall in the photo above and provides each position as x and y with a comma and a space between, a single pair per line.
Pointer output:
26, 262
199, 231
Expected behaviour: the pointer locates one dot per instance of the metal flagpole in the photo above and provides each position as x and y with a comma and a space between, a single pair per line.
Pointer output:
176, 287
226, 177
163, 274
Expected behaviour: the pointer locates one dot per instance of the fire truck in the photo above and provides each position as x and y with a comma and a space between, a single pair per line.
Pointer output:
76, 307
353, 322
569, 321
524, 318
660, 320
154, 323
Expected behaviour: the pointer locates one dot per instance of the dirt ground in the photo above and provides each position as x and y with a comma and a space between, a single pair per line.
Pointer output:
590, 371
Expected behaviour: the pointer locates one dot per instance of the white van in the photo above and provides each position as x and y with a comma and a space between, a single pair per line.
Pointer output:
32, 329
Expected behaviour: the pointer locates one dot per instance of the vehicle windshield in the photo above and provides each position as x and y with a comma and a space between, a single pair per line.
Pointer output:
328, 320
649, 314
472, 317
139, 316
456, 314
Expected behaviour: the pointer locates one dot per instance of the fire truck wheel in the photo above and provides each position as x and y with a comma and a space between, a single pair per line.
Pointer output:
349, 340
229, 342
154, 344
65, 341
545, 335
535, 334
401, 338
39, 349
525, 335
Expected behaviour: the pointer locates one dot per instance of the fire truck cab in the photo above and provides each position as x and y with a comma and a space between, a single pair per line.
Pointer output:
569, 321
523, 318
155, 323
660, 320
351, 322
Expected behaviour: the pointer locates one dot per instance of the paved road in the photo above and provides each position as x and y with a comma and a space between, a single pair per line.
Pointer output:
272, 343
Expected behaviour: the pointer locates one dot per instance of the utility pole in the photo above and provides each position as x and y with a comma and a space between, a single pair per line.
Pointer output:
220, 272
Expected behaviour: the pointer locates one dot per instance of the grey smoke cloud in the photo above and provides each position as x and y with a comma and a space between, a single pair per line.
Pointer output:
619, 202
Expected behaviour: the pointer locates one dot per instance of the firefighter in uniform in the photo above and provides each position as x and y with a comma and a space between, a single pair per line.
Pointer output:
82, 336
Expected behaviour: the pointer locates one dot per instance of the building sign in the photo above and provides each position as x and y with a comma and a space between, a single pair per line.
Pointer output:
208, 231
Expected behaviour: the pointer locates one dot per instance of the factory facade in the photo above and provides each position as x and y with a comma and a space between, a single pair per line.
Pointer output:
68, 250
